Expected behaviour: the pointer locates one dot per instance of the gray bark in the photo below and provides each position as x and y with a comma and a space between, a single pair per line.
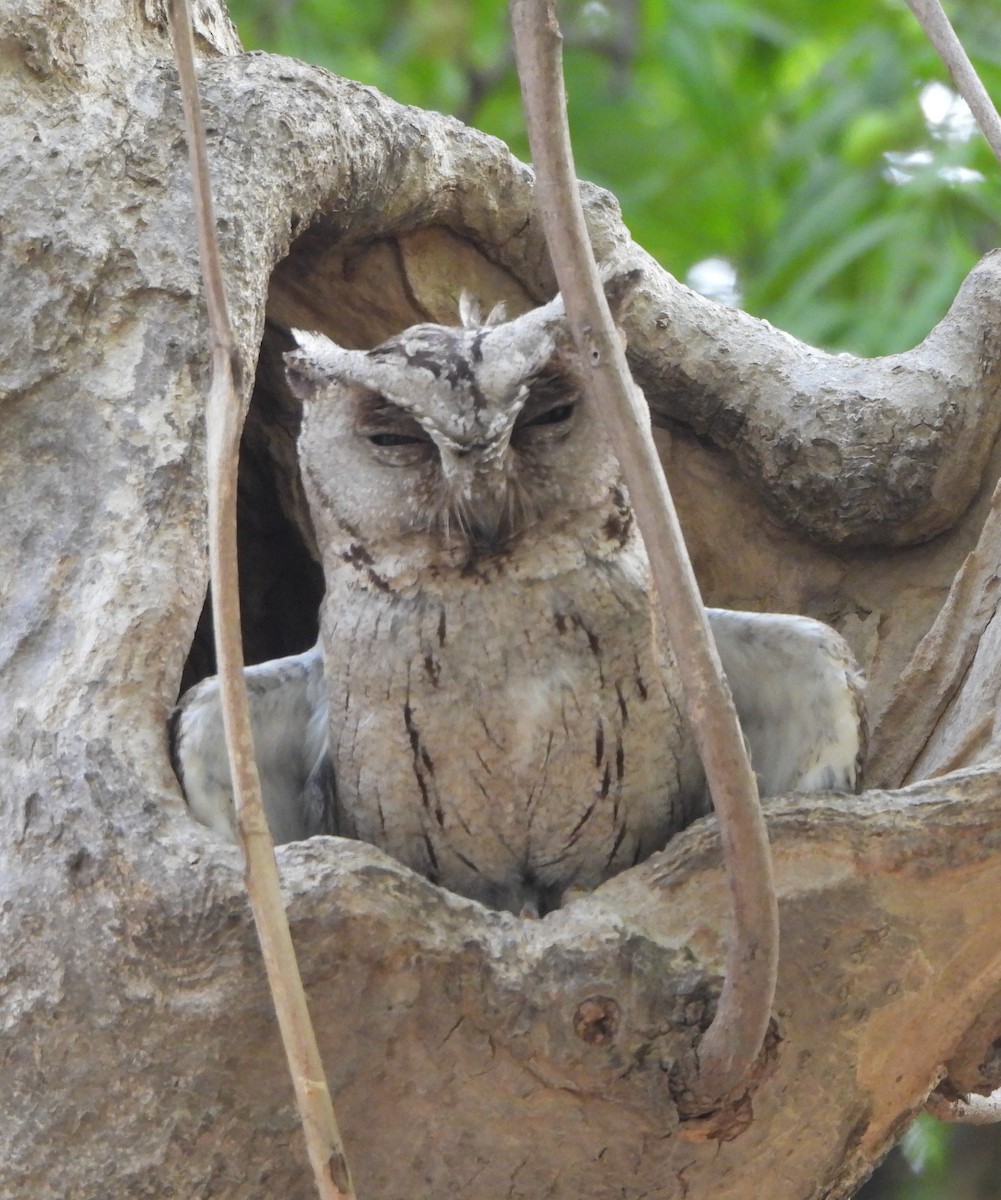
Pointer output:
471, 1054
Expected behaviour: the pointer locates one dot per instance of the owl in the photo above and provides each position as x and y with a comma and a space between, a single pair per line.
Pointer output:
493, 699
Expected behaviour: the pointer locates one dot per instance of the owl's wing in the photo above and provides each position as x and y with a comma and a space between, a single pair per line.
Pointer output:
288, 716
319, 795
799, 695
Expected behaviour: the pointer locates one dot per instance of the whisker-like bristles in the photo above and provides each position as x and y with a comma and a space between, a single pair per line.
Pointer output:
428, 517
454, 517
522, 513
462, 515
507, 507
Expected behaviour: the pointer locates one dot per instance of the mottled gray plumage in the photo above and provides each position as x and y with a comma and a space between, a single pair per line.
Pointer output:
288, 713
502, 708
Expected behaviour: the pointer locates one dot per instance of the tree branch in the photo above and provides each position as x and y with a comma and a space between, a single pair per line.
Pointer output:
902, 745
733, 1041
965, 1110
223, 425
137, 1006
848, 451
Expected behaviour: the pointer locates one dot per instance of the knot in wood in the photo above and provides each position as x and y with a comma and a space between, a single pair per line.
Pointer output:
596, 1020
340, 1177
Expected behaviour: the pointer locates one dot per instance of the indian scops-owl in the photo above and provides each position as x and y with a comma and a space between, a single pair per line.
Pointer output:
493, 699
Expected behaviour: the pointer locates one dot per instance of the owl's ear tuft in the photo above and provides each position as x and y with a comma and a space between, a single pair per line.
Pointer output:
310, 367
471, 312
305, 378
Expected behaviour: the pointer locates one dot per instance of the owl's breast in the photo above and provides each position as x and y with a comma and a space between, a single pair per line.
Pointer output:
508, 743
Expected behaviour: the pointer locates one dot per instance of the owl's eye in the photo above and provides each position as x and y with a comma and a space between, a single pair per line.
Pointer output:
552, 416
397, 442
543, 423
396, 439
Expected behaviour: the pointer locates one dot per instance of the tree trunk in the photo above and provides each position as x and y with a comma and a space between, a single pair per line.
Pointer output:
471, 1054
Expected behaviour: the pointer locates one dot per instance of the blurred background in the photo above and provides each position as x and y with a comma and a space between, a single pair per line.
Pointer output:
808, 162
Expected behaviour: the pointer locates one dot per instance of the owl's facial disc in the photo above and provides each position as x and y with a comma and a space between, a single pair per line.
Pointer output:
475, 485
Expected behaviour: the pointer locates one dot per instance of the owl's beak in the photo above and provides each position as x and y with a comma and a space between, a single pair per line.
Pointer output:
479, 485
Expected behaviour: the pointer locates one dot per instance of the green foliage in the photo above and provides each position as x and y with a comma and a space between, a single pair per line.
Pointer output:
925, 1147
752, 130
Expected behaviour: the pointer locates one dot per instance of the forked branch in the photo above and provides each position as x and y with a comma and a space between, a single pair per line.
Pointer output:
733, 1041
223, 425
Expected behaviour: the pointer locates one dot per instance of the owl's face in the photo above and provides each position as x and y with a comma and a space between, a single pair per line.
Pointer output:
454, 440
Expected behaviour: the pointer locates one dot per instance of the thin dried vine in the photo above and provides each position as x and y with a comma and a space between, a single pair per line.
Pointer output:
731, 1045
931, 17
223, 426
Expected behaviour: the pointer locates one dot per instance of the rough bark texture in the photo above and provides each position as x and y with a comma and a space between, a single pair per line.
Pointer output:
471, 1054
